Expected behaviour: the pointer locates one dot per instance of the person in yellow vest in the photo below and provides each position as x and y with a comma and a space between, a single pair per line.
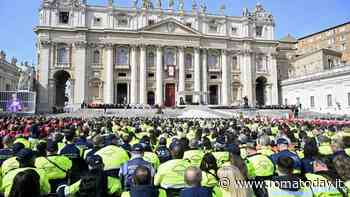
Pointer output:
263, 167
148, 154
12, 162
322, 175
263, 143
195, 154
57, 167
209, 174
26, 183
142, 185
220, 154
26, 158
23, 140
113, 156
325, 145
284, 185
170, 174
96, 181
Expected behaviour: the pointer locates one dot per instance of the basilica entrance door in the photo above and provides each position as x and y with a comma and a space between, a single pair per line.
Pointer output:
122, 93
213, 95
170, 95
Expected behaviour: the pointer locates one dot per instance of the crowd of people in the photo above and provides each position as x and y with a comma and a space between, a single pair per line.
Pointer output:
155, 157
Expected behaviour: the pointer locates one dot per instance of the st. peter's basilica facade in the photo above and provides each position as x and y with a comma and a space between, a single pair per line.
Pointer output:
149, 54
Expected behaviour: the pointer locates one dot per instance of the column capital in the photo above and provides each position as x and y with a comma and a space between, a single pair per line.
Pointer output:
181, 47
108, 45
274, 55
225, 51
247, 52
45, 43
133, 46
204, 49
80, 44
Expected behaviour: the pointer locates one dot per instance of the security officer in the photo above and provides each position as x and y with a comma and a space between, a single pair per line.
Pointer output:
11, 163
127, 170
82, 143
95, 164
98, 143
24, 141
170, 174
113, 156
26, 158
282, 145
321, 175
194, 155
220, 154
264, 145
162, 151
57, 167
71, 151
263, 167
148, 155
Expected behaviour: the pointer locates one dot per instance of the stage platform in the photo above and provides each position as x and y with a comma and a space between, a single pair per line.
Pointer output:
189, 112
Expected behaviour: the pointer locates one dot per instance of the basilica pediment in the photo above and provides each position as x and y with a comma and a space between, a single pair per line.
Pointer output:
170, 26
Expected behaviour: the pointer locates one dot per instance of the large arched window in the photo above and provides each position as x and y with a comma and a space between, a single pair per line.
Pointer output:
150, 59
169, 57
188, 60
122, 56
213, 60
96, 57
62, 54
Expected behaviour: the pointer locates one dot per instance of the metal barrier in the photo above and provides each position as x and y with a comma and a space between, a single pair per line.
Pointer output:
17, 102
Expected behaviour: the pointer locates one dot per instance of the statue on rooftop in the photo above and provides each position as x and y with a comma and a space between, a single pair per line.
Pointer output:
181, 5
159, 4
171, 4
194, 5
222, 9
134, 3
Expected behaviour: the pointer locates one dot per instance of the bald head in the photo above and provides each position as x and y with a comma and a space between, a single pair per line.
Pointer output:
193, 176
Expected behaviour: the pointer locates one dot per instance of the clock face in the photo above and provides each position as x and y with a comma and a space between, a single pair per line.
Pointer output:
171, 27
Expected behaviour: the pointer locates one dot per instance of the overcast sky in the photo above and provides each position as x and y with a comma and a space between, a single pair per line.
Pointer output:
298, 17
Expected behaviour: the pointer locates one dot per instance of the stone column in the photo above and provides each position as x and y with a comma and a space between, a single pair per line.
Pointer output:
225, 79
268, 96
274, 79
133, 85
159, 76
143, 76
45, 60
80, 74
197, 76
109, 76
248, 76
181, 72
205, 76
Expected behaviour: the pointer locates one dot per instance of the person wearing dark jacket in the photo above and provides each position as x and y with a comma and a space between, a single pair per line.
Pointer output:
142, 185
193, 178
